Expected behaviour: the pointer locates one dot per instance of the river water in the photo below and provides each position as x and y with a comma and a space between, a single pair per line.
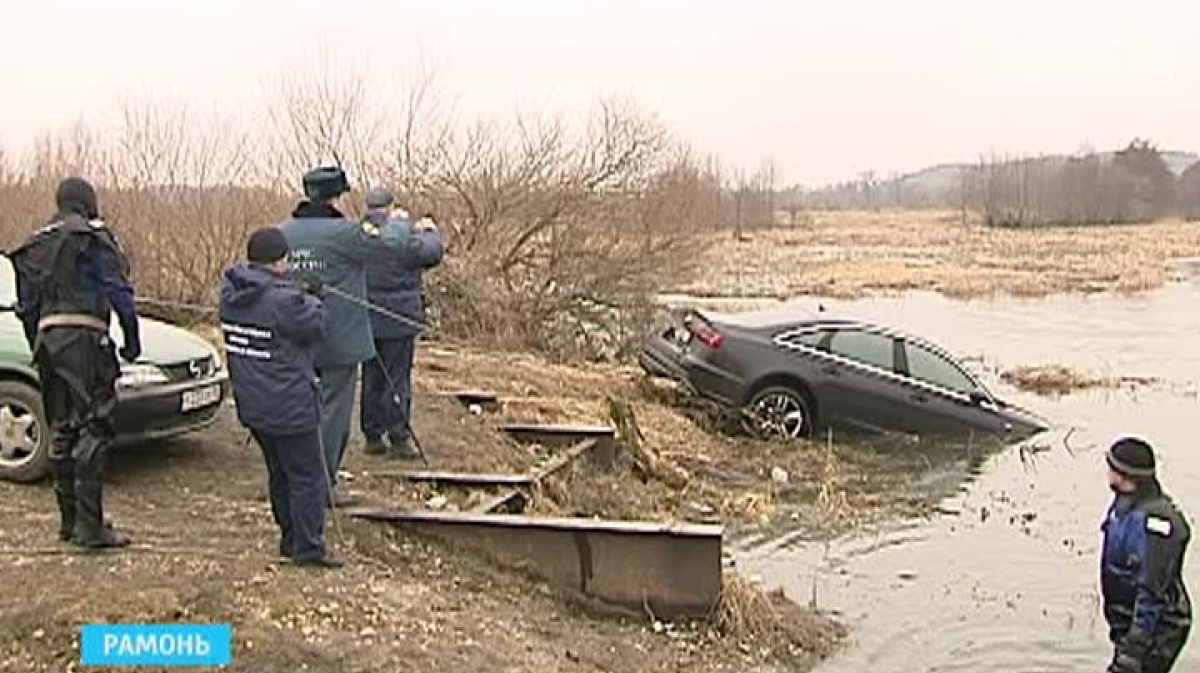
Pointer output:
1005, 579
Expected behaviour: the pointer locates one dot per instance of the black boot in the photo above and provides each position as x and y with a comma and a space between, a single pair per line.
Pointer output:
375, 446
64, 492
328, 560
91, 530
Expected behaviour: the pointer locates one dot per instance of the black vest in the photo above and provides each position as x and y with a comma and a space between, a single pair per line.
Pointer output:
50, 261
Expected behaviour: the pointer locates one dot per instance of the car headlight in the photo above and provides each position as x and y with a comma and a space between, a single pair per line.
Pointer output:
140, 376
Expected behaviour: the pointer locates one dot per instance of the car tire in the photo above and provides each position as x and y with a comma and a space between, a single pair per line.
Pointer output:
24, 434
779, 412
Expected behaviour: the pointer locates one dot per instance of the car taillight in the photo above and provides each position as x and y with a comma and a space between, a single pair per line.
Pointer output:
705, 334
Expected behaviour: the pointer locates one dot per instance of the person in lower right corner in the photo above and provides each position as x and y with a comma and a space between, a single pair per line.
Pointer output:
1146, 604
394, 284
271, 329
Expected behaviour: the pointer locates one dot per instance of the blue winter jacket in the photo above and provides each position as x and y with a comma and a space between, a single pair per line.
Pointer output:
271, 330
1145, 539
394, 280
324, 243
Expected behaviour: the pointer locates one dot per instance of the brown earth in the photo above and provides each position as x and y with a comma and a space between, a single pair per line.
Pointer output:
206, 552
750, 486
206, 543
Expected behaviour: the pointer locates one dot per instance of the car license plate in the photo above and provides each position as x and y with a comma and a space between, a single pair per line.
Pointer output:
200, 398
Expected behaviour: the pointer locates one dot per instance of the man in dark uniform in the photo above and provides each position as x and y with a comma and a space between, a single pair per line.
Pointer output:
70, 276
394, 284
271, 332
1145, 538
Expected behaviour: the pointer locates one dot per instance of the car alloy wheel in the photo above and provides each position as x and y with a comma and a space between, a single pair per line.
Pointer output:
23, 455
779, 413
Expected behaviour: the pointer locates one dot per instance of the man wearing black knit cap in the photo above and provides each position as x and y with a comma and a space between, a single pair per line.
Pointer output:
71, 276
272, 330
1141, 567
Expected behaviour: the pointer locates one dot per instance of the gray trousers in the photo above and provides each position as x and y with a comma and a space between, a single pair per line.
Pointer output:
337, 397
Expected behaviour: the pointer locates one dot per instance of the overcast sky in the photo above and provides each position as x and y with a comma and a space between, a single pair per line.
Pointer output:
827, 89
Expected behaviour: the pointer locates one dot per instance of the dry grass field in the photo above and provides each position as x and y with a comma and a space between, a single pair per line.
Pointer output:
849, 254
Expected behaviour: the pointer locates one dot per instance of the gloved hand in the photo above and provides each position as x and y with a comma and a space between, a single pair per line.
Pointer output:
131, 351
426, 223
311, 285
1131, 652
1125, 663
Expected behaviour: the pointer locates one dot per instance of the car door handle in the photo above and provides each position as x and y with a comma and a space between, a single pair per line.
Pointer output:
831, 371
920, 398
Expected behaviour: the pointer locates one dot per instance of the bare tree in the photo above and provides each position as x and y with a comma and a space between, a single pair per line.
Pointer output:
768, 176
739, 187
1189, 192
322, 111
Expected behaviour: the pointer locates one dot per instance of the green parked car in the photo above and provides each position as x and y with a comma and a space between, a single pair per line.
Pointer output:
176, 387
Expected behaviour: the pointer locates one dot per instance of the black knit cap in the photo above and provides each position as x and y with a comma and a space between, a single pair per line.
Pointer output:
266, 246
76, 195
1132, 457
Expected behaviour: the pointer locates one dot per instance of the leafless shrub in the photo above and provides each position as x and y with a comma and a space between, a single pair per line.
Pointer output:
558, 232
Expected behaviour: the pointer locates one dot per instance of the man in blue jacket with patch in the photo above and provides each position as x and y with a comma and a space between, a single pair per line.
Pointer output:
394, 284
332, 251
271, 332
1145, 538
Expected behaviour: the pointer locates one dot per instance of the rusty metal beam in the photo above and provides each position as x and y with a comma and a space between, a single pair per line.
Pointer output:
460, 478
671, 570
555, 435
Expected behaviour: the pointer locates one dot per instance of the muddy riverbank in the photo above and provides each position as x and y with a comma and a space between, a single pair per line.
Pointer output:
197, 508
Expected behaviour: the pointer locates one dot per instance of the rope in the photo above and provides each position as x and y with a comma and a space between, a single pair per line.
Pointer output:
201, 308
403, 319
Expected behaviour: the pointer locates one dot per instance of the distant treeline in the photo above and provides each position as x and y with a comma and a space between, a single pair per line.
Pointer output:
1135, 184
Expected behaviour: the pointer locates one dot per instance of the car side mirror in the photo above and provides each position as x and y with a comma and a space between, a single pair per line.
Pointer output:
978, 398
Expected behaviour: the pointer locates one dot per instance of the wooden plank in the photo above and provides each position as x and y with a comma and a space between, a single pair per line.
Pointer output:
570, 456
512, 502
484, 398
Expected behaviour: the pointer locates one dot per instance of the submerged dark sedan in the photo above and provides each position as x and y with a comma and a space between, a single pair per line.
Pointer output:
175, 387
791, 372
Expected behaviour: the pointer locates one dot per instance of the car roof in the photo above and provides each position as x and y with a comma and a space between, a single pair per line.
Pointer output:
783, 316
796, 316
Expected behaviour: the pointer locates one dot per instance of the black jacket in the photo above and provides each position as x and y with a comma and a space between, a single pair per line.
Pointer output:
1141, 577
73, 266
